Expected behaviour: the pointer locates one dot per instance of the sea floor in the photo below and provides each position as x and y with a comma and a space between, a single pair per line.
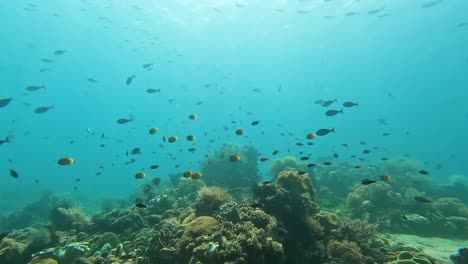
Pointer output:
438, 248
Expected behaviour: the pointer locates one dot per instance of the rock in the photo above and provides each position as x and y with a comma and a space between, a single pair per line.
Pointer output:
417, 220
12, 252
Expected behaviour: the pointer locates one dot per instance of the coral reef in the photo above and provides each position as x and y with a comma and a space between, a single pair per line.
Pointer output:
286, 164
68, 218
292, 181
209, 200
349, 252
219, 170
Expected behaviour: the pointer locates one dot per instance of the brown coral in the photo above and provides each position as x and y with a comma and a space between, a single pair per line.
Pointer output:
209, 200
348, 252
292, 181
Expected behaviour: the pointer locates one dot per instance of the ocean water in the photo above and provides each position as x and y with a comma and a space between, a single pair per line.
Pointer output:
224, 61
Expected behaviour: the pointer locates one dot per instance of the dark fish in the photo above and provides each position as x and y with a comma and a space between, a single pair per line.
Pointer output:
60, 52
122, 121
264, 159
135, 151
140, 205
153, 167
328, 103
274, 152
13, 174
404, 217
386, 134
352, 13
267, 182
367, 182
327, 163
6, 140
463, 24
147, 65
130, 79
151, 90
304, 158
335, 155
349, 104
431, 4
257, 90
301, 172
4, 234
192, 149
333, 112
43, 109
45, 60
91, 80
375, 11
311, 165
423, 172
156, 181
421, 199
5, 102
33, 88
320, 101
324, 131
366, 151
256, 205
384, 15
254, 123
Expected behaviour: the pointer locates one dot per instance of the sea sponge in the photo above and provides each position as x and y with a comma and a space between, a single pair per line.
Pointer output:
292, 181
209, 200
348, 252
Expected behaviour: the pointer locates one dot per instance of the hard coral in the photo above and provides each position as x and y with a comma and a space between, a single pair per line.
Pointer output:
202, 225
292, 181
285, 164
209, 200
348, 252
68, 218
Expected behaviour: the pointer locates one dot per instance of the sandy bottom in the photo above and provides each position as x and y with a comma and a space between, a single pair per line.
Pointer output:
438, 248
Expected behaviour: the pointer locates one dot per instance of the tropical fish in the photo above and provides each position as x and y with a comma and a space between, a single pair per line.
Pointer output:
153, 167
324, 131
130, 79
188, 174
13, 174
328, 102
421, 199
367, 182
349, 104
33, 88
327, 163
151, 90
196, 175
431, 4
264, 159
140, 175
254, 123
43, 109
310, 136
275, 152
153, 130
304, 158
5, 102
375, 11
122, 121
135, 151
140, 205
192, 116
65, 161
190, 137
385, 178
423, 172
6, 140
60, 52
235, 158
172, 139
311, 165
333, 112
366, 151
239, 132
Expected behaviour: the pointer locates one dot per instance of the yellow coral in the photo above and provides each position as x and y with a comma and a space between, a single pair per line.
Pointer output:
292, 181
209, 200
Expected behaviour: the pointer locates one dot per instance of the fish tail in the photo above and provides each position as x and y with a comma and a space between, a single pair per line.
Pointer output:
332, 130
341, 111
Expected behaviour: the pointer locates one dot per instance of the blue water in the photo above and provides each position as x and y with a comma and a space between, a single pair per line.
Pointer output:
410, 68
